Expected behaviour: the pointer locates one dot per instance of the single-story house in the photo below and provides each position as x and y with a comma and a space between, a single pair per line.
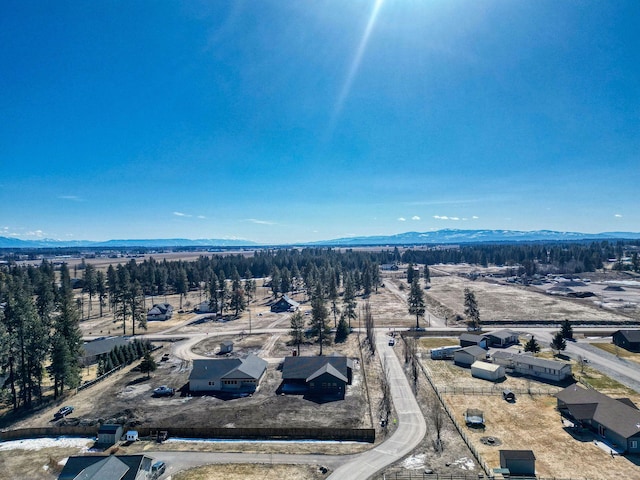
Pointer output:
317, 375
109, 433
487, 371
617, 420
503, 338
467, 355
204, 307
232, 375
627, 339
389, 267
112, 467
285, 304
226, 346
471, 339
160, 311
529, 365
518, 462
92, 350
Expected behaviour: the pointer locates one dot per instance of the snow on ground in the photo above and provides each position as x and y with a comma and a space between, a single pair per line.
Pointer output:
415, 462
40, 443
464, 463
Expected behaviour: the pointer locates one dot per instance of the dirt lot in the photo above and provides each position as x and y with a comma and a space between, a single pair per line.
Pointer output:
499, 301
244, 472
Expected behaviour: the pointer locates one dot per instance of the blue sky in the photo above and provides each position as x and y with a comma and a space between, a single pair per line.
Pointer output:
291, 121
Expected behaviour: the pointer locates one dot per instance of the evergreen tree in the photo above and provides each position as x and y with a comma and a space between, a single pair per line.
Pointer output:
566, 330
416, 300
471, 308
558, 343
297, 330
238, 302
349, 301
319, 314
342, 332
532, 346
148, 364
101, 289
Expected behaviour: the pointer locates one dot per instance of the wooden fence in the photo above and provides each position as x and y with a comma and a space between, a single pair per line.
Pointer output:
495, 390
323, 434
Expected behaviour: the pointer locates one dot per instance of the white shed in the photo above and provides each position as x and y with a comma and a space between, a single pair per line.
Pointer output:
131, 436
487, 371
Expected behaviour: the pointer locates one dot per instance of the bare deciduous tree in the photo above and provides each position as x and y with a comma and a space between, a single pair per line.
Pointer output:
438, 417
369, 324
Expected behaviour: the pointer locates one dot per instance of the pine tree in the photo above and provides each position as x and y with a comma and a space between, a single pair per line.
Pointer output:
319, 314
558, 343
148, 364
297, 330
342, 332
416, 300
349, 300
532, 346
471, 309
566, 330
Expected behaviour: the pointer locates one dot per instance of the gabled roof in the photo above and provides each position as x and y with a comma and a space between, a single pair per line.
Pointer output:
588, 404
530, 360
109, 428
251, 367
472, 337
473, 350
517, 454
503, 334
160, 309
630, 335
488, 367
329, 369
113, 467
104, 345
301, 368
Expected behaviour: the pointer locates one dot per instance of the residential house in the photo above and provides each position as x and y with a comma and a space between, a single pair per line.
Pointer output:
529, 365
231, 375
160, 311
627, 339
204, 307
518, 462
617, 420
92, 350
487, 371
112, 467
467, 355
503, 338
469, 339
317, 375
285, 304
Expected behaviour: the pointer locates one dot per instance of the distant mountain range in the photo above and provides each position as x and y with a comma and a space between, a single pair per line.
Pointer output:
447, 236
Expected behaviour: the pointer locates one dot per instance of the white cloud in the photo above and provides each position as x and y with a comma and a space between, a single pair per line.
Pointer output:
35, 233
73, 198
415, 218
180, 214
454, 218
260, 222
441, 217
617, 215
402, 219
201, 216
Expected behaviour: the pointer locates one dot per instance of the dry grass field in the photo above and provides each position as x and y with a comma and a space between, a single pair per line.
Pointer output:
252, 472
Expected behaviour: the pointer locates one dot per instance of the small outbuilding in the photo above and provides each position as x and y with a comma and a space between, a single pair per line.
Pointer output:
226, 347
487, 371
466, 356
131, 436
518, 462
508, 395
109, 434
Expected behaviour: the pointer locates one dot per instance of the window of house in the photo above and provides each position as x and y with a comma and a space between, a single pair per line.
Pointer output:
634, 444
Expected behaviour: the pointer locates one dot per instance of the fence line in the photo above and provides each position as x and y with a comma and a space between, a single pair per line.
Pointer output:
495, 390
100, 378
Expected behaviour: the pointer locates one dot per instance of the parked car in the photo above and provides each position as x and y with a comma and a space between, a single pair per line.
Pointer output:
392, 342
164, 391
158, 469
63, 412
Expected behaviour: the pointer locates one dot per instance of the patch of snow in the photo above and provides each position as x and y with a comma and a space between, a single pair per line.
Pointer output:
415, 462
40, 443
464, 463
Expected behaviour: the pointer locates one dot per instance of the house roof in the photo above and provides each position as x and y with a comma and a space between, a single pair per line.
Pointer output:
113, 467
472, 337
630, 335
489, 367
109, 428
328, 369
503, 334
530, 360
250, 367
589, 404
227, 343
517, 454
104, 345
473, 350
160, 309
301, 368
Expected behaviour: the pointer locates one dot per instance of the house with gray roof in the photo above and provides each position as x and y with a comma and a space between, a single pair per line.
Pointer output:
627, 339
230, 375
285, 304
617, 420
316, 375
503, 338
112, 467
160, 311
91, 351
531, 366
470, 339
467, 355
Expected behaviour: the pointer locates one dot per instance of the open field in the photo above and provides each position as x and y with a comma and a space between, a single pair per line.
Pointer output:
503, 302
253, 472
618, 351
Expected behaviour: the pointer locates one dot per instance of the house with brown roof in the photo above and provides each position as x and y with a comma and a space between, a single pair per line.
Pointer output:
617, 420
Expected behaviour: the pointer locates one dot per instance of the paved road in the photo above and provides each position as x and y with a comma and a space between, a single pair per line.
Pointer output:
411, 424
